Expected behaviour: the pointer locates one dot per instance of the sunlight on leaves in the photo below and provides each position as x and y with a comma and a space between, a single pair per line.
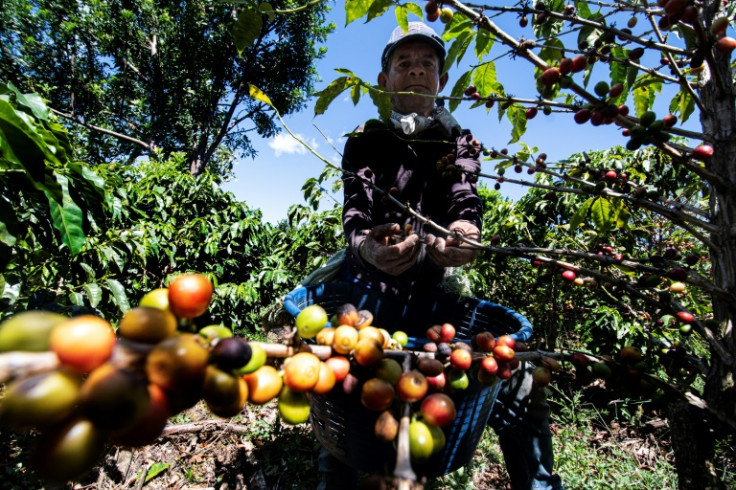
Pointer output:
258, 94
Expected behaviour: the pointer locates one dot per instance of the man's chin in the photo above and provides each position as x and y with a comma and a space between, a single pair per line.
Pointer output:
409, 104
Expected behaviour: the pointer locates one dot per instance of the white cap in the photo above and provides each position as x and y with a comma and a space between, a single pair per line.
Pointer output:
417, 31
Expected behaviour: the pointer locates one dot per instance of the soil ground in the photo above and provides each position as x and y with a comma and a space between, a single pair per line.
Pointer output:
255, 451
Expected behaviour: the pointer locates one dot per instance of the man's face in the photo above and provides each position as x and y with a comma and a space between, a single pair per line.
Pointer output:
414, 68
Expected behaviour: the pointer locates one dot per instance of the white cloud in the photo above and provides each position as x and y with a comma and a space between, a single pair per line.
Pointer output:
284, 144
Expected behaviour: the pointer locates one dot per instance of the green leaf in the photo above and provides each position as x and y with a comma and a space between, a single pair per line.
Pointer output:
330, 93
459, 88
355, 9
579, 217
111, 255
402, 17
67, 218
155, 470
414, 8
267, 9
115, 205
582, 10
258, 94
483, 44
91, 273
587, 73
688, 34
355, 93
118, 294
402, 14
623, 215
247, 29
484, 79
10, 293
88, 178
525, 153
378, 8
600, 213
552, 27
457, 50
619, 71
517, 116
33, 102
76, 298
23, 144
382, 100
587, 34
552, 51
631, 73
645, 91
683, 104
459, 26
8, 223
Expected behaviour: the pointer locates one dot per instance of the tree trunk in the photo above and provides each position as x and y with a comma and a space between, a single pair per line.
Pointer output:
693, 439
197, 165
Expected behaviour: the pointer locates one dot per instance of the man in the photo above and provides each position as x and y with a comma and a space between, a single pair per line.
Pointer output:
403, 158
409, 157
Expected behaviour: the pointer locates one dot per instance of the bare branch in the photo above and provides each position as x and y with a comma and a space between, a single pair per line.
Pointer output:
108, 132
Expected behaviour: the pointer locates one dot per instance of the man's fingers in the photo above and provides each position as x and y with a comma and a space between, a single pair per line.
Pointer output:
406, 244
439, 245
451, 256
399, 264
384, 231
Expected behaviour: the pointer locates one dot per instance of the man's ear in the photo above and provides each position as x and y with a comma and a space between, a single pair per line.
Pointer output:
382, 79
443, 81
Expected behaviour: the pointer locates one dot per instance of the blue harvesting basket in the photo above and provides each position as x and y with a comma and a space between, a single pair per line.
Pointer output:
345, 427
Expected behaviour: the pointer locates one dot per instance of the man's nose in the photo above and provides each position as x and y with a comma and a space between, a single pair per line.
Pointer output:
416, 69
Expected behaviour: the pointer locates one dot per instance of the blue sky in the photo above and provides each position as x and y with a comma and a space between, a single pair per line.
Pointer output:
272, 182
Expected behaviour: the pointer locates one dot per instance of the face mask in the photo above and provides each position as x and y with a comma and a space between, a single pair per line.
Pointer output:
414, 124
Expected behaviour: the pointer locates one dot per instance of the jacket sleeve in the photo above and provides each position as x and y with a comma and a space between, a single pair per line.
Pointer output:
463, 199
358, 197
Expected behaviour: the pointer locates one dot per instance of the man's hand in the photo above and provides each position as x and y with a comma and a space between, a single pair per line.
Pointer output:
391, 259
453, 252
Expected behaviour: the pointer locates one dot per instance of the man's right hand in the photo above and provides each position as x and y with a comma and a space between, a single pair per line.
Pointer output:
391, 259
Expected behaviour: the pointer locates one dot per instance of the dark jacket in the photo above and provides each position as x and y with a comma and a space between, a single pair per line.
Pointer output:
414, 171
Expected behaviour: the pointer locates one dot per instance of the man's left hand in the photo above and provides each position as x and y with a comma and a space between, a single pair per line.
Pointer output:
451, 251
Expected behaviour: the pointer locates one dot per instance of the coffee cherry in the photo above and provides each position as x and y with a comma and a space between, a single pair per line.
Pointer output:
446, 15
550, 76
636, 53
702, 152
177, 362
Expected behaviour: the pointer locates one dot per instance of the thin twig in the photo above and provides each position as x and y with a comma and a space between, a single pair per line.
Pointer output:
108, 132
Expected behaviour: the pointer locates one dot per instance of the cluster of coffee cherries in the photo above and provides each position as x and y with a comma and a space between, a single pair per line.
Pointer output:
374, 366
485, 358
373, 370
87, 385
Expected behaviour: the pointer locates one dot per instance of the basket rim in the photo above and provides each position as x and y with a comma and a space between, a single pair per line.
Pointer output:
290, 300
